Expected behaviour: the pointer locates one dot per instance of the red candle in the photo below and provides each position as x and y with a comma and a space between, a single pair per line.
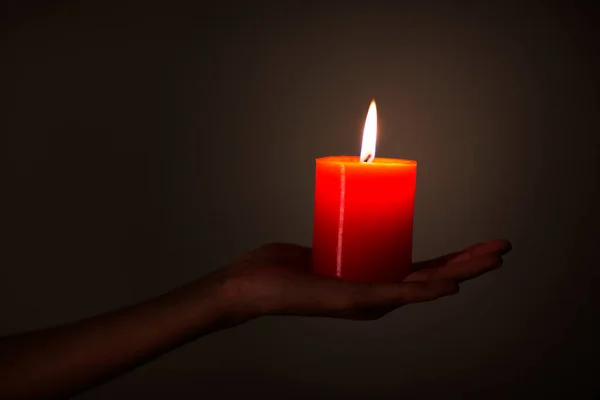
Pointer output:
363, 221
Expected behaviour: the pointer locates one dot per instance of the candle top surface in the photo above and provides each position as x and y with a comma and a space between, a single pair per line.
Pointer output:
356, 160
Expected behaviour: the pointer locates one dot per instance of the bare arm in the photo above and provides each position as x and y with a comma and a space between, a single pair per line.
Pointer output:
64, 360
272, 280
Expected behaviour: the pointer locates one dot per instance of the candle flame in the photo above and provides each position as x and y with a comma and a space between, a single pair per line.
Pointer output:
367, 151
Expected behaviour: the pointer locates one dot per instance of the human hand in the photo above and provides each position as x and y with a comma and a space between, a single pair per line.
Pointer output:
275, 279
272, 280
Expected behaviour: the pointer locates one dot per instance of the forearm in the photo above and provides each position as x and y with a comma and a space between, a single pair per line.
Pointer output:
64, 360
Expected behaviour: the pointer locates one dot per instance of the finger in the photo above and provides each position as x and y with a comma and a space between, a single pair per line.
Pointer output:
499, 246
417, 292
458, 271
391, 295
331, 297
434, 262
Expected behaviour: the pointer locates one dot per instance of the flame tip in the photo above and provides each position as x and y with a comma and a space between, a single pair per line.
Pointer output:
367, 152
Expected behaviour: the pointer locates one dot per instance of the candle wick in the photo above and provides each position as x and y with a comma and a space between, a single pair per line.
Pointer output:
368, 157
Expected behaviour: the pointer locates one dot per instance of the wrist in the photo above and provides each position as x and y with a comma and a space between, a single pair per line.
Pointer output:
203, 306
232, 298
238, 297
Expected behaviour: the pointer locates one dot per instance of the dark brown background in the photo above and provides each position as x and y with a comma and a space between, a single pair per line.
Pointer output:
148, 143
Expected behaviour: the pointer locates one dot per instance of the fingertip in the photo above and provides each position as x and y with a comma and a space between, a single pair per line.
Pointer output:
500, 246
503, 245
493, 260
507, 246
499, 261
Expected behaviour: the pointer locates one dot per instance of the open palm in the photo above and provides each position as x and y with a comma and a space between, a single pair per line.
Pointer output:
276, 279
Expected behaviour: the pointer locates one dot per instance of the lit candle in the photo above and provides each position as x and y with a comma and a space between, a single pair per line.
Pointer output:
363, 221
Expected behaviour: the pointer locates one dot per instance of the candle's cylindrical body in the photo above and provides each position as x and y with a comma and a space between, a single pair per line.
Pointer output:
363, 221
